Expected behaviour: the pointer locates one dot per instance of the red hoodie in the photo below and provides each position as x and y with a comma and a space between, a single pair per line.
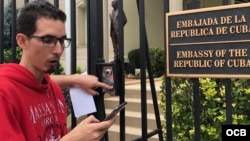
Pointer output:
30, 110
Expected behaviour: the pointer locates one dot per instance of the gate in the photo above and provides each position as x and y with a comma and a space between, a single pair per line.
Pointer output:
95, 56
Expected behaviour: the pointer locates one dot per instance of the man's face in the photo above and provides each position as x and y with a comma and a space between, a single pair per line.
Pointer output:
39, 57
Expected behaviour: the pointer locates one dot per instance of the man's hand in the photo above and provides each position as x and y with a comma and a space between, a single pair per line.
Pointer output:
90, 129
88, 83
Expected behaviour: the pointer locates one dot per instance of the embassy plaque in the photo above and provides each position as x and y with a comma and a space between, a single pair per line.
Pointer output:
209, 42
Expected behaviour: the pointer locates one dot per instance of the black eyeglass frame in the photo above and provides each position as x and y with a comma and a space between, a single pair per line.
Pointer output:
61, 40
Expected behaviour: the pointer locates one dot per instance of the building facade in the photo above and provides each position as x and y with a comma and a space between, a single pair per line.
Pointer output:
154, 20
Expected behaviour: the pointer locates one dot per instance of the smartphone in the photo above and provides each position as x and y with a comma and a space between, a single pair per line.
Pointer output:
116, 110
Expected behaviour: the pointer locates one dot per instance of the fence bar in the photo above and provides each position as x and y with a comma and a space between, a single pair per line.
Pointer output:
1, 31
13, 30
95, 50
169, 119
169, 136
56, 3
142, 31
26, 1
196, 107
225, 2
120, 78
229, 100
73, 49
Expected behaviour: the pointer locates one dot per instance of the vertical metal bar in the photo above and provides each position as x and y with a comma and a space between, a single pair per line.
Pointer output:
73, 35
121, 31
167, 84
56, 3
229, 100
196, 102
225, 2
196, 106
95, 50
26, 1
141, 6
193, 4
57, 69
120, 64
1, 31
169, 119
13, 30
99, 33
73, 50
92, 19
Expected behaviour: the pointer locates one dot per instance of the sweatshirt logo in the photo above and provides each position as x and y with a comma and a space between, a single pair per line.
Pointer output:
53, 133
46, 112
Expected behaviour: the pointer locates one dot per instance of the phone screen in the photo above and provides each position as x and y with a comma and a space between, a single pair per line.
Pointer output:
116, 110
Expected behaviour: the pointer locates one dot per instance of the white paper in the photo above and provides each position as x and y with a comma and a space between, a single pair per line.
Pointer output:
82, 102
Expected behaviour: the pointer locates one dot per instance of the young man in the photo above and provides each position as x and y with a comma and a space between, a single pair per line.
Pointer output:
32, 105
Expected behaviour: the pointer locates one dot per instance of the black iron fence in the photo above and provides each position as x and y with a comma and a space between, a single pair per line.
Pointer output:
95, 56
9, 50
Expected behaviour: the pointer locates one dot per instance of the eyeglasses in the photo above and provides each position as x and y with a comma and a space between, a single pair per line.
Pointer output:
50, 41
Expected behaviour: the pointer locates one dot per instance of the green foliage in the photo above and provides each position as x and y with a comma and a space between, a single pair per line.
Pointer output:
157, 60
212, 100
58, 70
8, 55
7, 36
241, 101
7, 25
79, 70
134, 57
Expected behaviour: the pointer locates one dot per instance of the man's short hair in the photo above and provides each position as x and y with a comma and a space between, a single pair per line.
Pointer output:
31, 12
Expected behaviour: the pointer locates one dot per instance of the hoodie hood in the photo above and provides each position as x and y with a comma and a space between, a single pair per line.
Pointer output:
20, 74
